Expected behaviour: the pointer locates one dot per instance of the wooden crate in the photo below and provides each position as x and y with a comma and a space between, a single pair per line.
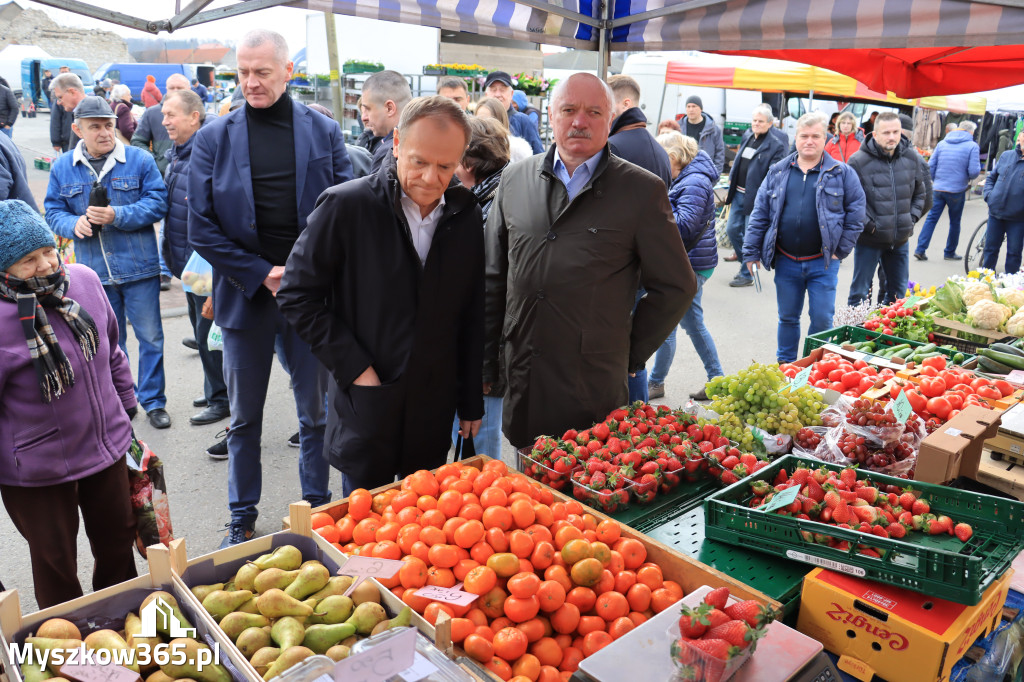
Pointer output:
106, 609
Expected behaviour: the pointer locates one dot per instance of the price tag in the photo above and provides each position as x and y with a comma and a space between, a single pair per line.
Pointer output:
98, 673
363, 567
901, 408
787, 496
381, 662
911, 302
420, 669
453, 595
800, 380
1015, 377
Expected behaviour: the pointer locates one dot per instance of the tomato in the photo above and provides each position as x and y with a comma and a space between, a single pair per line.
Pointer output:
1004, 387
860, 365
979, 382
917, 400
836, 386
826, 366
816, 376
866, 384
966, 389
933, 387
956, 400
851, 380
886, 373
940, 407
990, 392
894, 391
836, 375
870, 370
937, 361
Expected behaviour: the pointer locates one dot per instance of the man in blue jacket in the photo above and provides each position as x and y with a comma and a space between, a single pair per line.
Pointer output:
117, 241
1004, 194
499, 86
254, 177
954, 163
806, 219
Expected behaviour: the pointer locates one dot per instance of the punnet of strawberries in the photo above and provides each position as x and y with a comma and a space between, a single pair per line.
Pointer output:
902, 321
844, 500
716, 638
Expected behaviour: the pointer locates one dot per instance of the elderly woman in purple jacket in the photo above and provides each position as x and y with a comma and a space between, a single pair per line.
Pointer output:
65, 399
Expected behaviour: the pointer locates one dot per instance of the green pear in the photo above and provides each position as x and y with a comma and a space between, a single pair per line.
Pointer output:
287, 632
252, 640
274, 578
288, 658
191, 648
159, 676
109, 640
285, 557
52, 644
163, 624
246, 576
58, 628
221, 603
229, 586
334, 609
201, 591
366, 616
365, 591
248, 607
133, 635
312, 578
338, 652
338, 584
31, 672
262, 659
320, 638
351, 641
275, 603
235, 623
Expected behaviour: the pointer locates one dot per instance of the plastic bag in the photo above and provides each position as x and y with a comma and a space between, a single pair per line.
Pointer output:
215, 340
197, 277
148, 490
798, 449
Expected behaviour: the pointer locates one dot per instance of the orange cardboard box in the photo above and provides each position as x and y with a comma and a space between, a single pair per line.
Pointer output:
899, 635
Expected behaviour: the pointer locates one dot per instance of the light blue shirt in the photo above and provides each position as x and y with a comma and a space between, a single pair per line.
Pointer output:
579, 179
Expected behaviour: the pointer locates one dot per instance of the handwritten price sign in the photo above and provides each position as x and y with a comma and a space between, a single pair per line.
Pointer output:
453, 595
363, 567
98, 673
381, 662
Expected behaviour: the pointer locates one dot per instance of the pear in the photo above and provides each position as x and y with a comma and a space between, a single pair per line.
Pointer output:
285, 557
275, 603
366, 616
235, 623
338, 652
288, 658
403, 619
252, 640
132, 635
31, 672
59, 628
334, 609
163, 624
191, 648
229, 586
338, 584
221, 603
320, 638
246, 576
272, 578
366, 591
312, 578
52, 644
159, 676
108, 640
287, 632
262, 659
351, 641
248, 607
201, 591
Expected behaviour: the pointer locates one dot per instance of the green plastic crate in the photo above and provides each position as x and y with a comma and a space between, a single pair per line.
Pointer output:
937, 565
849, 334
681, 500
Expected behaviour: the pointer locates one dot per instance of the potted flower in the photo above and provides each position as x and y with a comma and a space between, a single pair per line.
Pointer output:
434, 70
361, 66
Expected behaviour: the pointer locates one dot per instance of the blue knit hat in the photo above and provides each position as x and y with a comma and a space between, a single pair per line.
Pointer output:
519, 97
22, 231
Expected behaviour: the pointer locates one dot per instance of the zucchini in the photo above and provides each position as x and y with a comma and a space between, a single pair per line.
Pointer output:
907, 352
990, 365
1007, 359
1003, 348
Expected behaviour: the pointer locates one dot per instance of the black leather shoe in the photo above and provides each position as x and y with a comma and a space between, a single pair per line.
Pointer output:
200, 402
210, 415
955, 256
159, 418
738, 281
920, 256
190, 342
165, 283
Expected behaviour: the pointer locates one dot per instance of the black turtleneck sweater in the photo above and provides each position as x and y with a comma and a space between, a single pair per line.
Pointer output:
272, 165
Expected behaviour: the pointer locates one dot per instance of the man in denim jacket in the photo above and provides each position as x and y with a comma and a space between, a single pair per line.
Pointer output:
117, 241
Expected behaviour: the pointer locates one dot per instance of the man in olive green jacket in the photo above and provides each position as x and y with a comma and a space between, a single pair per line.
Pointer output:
570, 238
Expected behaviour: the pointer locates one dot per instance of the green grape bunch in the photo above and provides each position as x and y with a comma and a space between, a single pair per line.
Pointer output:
760, 395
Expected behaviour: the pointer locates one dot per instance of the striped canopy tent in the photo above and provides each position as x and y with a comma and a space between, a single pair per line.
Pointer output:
911, 47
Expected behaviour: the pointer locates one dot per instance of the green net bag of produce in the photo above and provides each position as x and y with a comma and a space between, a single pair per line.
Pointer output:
148, 491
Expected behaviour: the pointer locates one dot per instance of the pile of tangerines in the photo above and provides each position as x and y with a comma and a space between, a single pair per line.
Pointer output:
555, 584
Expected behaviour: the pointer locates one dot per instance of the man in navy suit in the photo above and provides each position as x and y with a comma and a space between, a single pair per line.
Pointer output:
254, 177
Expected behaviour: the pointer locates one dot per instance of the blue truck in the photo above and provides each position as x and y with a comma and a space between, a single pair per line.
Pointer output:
32, 71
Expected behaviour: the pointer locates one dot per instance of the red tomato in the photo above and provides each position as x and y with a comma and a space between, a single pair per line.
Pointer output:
820, 383
860, 365
870, 370
938, 362
836, 386
990, 392
886, 373
826, 366
956, 401
836, 375
866, 384
964, 388
933, 387
816, 375
917, 400
1004, 387
851, 380
979, 382
940, 407
929, 372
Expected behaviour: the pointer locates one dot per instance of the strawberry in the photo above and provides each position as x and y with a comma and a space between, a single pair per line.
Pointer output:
734, 632
716, 648
832, 499
781, 477
717, 598
896, 530
865, 513
963, 531
691, 622
729, 477
601, 432
931, 525
849, 477
730, 461
801, 475
841, 513
920, 507
740, 470
879, 531
760, 488
716, 617
947, 523
753, 613
748, 459
868, 493
815, 491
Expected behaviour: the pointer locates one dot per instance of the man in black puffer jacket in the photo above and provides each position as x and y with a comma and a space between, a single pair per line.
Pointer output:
629, 138
889, 172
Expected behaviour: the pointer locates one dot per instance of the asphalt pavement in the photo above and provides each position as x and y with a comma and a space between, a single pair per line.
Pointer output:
742, 322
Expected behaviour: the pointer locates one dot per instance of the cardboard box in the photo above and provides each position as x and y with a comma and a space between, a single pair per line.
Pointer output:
960, 329
1002, 475
894, 633
955, 448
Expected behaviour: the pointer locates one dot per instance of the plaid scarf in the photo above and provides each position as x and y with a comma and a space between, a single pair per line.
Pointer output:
32, 295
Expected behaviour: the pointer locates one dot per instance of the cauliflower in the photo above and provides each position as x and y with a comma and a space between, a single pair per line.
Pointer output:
975, 292
987, 314
1011, 297
1015, 325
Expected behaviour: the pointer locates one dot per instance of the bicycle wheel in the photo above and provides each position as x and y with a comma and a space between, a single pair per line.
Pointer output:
975, 248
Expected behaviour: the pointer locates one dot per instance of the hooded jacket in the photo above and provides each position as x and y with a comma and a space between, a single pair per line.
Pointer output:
842, 147
631, 141
1004, 186
710, 141
955, 162
894, 190
692, 196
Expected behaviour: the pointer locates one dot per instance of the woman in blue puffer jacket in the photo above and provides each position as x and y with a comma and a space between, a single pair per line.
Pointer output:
1004, 192
693, 203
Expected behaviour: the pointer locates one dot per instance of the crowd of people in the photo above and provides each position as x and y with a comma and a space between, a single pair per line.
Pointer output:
445, 277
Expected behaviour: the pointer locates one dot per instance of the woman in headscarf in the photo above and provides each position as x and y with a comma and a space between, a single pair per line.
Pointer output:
66, 396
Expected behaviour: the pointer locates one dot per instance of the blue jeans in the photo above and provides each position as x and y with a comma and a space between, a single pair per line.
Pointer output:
164, 270
996, 229
9, 132
693, 324
248, 357
792, 280
736, 227
638, 384
140, 302
955, 202
895, 267
488, 440
214, 388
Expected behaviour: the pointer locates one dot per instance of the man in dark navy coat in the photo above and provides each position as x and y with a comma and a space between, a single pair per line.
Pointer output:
254, 177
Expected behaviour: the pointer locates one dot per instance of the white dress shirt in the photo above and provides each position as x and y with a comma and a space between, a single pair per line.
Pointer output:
422, 229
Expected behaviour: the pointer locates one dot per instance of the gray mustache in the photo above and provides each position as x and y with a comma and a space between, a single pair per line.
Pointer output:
574, 132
